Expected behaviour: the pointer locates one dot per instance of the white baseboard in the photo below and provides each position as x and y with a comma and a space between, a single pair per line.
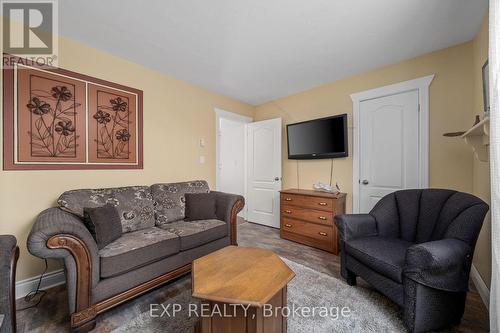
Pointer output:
49, 280
482, 289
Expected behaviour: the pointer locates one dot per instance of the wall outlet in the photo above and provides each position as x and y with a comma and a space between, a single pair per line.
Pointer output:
202, 159
202, 143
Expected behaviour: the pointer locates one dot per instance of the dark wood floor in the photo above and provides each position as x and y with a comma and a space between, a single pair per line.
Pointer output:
52, 314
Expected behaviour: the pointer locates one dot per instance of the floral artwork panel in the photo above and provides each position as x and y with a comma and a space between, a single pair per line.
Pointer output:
112, 123
56, 119
50, 117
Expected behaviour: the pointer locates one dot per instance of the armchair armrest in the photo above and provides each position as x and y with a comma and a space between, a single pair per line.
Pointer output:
352, 226
443, 264
9, 253
62, 235
228, 207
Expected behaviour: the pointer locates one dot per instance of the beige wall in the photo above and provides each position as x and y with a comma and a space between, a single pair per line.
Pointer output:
455, 99
450, 110
176, 116
481, 170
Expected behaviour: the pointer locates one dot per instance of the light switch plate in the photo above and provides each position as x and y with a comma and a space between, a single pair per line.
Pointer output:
202, 159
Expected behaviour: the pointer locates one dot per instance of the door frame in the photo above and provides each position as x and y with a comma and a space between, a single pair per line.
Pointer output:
422, 85
219, 114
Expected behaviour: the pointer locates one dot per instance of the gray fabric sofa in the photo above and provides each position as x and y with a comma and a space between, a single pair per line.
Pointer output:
9, 253
416, 247
157, 245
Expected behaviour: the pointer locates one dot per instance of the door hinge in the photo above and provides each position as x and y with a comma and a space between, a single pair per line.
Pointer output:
419, 108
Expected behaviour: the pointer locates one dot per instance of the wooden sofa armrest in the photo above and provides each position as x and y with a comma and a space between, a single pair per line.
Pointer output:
237, 207
83, 262
62, 235
228, 207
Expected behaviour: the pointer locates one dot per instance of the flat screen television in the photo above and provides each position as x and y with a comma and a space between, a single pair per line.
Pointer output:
318, 138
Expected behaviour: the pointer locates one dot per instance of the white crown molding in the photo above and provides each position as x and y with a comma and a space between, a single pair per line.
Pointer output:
420, 83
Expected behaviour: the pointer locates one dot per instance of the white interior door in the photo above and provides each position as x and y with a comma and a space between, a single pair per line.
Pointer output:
389, 146
230, 153
264, 171
231, 162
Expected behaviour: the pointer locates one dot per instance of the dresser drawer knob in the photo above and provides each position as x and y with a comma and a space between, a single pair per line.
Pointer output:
323, 233
288, 199
322, 203
288, 211
322, 218
288, 225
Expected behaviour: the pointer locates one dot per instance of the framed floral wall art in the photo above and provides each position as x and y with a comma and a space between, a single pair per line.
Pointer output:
111, 121
51, 123
56, 119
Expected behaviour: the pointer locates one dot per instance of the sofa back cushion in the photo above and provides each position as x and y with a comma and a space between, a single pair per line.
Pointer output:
170, 201
423, 215
134, 204
461, 218
432, 202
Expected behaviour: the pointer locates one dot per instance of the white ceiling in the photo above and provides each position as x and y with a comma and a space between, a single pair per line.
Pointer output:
259, 50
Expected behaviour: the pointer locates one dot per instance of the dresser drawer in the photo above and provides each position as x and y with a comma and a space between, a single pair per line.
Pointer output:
307, 217
307, 202
316, 231
311, 215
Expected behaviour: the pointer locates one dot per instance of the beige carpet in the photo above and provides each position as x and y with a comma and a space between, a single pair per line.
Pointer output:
367, 311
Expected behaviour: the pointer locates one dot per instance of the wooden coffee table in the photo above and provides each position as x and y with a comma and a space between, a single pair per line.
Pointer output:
246, 283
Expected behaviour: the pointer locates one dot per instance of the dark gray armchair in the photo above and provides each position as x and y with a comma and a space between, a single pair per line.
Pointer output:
416, 247
9, 253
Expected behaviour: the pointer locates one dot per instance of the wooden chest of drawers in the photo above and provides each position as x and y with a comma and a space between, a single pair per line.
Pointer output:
307, 217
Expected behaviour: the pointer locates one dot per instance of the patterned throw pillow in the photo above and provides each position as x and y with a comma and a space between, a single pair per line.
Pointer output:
134, 204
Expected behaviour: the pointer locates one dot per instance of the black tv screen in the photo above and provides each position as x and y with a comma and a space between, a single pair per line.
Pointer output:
318, 138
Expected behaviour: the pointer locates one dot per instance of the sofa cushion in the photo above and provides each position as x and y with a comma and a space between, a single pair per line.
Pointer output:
170, 201
103, 224
200, 206
136, 249
134, 204
196, 233
384, 255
